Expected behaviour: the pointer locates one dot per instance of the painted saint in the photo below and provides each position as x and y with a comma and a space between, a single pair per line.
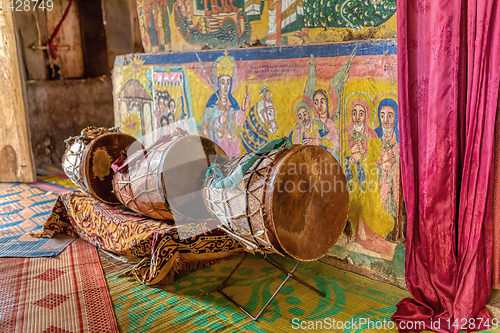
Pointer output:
388, 163
363, 150
260, 122
308, 131
223, 115
157, 24
326, 104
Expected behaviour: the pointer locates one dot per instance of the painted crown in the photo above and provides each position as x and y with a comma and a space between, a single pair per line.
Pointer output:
225, 66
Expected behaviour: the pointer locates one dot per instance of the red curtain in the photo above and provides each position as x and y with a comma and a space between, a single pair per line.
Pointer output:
496, 205
449, 69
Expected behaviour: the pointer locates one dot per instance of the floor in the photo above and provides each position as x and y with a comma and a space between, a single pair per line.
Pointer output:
4, 186
494, 303
110, 265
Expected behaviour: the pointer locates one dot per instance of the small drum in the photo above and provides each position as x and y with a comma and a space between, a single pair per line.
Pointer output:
293, 202
88, 158
165, 180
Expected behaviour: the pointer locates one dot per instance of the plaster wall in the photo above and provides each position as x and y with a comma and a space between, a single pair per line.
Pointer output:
59, 109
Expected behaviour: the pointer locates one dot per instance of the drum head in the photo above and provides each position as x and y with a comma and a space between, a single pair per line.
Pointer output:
184, 170
100, 154
309, 202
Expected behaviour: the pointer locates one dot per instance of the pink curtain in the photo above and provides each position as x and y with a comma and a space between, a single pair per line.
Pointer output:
496, 205
449, 68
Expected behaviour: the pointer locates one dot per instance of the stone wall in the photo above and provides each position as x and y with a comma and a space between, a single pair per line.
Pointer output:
59, 109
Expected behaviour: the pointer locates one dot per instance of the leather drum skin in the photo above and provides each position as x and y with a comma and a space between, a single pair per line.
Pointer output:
88, 158
293, 202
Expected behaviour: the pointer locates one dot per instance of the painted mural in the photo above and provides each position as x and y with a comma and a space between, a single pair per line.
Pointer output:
342, 97
182, 25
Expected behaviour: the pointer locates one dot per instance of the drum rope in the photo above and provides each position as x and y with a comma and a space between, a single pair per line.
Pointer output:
222, 208
247, 187
218, 211
127, 169
122, 165
216, 180
127, 186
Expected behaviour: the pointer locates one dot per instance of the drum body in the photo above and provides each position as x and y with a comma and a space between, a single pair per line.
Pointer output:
166, 181
88, 158
292, 201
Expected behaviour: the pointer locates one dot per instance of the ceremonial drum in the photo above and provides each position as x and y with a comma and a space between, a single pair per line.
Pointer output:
293, 202
88, 158
165, 181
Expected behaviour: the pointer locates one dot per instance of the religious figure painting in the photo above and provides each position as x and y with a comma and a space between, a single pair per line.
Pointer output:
341, 97
223, 114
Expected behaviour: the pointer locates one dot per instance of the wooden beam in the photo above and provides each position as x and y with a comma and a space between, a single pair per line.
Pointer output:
69, 59
95, 50
16, 158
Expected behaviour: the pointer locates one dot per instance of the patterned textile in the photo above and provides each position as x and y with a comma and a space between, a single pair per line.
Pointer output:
191, 304
67, 293
23, 210
54, 180
164, 247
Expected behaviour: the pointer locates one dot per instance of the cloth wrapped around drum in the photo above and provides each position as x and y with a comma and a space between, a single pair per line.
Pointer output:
287, 199
165, 181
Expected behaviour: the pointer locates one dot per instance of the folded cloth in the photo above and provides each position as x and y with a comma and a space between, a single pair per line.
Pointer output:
165, 248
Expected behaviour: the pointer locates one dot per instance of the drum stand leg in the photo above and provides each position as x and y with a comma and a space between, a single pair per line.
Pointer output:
290, 274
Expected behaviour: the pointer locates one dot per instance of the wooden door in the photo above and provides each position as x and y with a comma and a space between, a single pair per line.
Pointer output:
16, 158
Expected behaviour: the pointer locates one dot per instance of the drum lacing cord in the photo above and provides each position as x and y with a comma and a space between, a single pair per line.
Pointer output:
121, 165
225, 206
217, 170
236, 176
89, 133
247, 191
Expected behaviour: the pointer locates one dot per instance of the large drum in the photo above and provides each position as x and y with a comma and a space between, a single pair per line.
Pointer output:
165, 181
292, 201
88, 158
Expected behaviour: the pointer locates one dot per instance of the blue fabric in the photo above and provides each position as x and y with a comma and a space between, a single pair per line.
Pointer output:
236, 177
24, 210
361, 175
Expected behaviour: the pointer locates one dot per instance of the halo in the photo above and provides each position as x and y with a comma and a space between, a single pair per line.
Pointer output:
368, 98
294, 107
305, 99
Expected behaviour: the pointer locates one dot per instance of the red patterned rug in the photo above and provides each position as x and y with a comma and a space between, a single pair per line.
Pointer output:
67, 293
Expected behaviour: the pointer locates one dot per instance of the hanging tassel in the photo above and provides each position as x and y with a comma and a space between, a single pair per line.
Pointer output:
118, 166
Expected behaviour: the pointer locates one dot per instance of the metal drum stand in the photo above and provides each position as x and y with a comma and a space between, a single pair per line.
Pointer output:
290, 275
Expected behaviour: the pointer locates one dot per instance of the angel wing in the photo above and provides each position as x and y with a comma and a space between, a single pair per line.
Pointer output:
341, 77
338, 81
311, 79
